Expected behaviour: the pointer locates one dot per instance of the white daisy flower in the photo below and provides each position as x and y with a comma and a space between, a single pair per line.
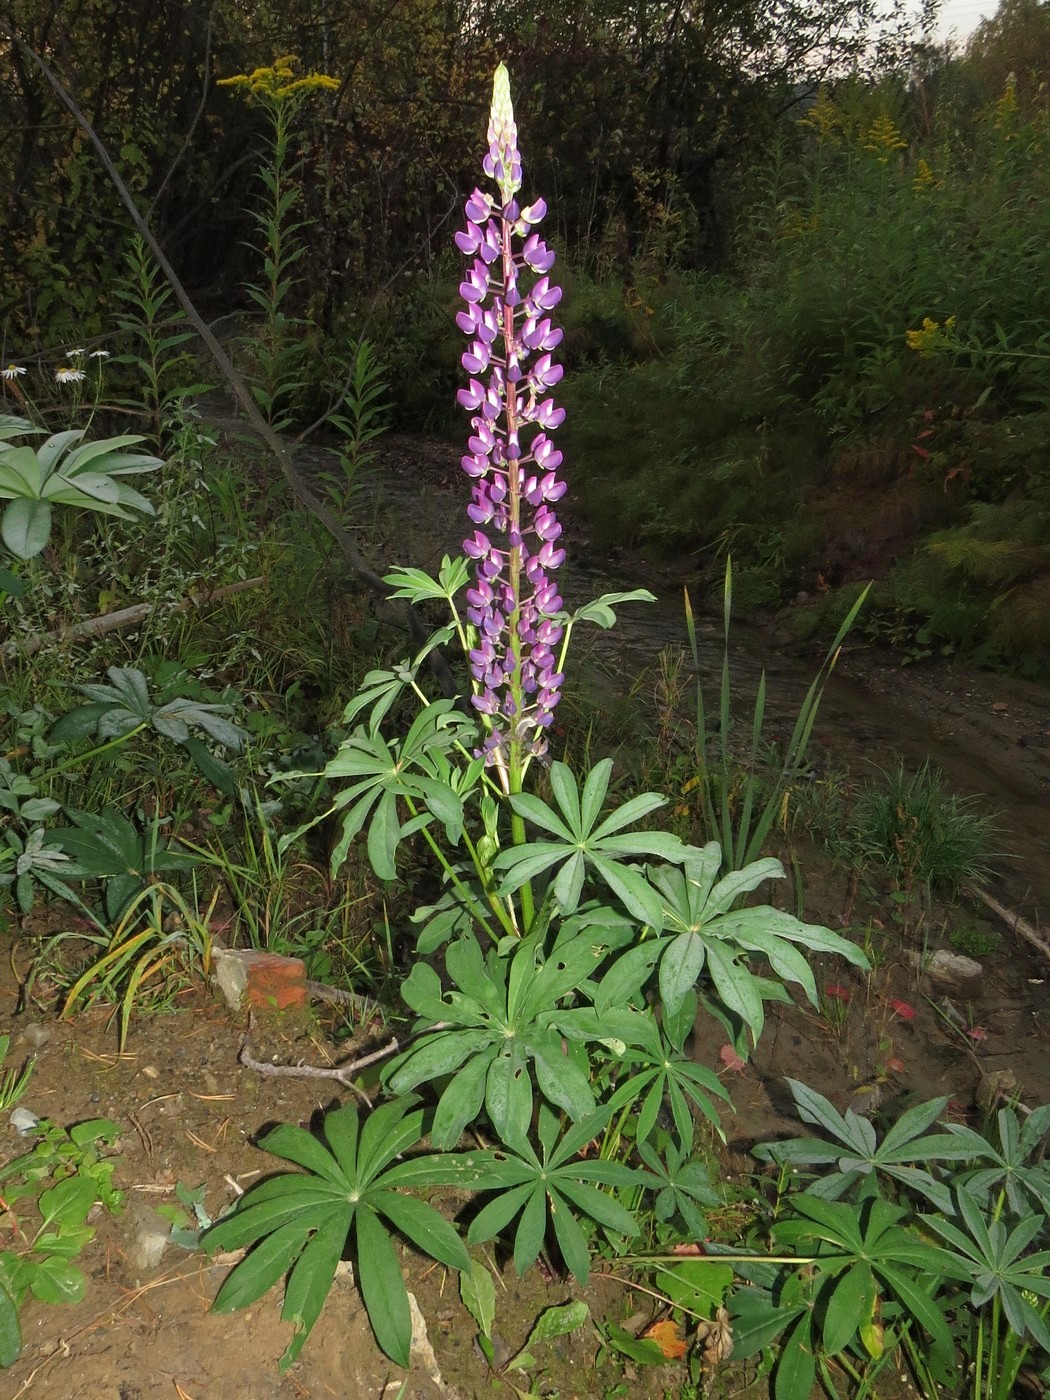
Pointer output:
65, 375
12, 372
99, 355
77, 354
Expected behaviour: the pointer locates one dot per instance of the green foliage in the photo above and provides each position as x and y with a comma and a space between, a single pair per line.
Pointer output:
744, 826
14, 1082
552, 1187
64, 470
477, 1293
159, 944
361, 419
279, 352
61, 1180
866, 1277
349, 1194
123, 708
558, 1321
162, 365
856, 1151
108, 846
911, 826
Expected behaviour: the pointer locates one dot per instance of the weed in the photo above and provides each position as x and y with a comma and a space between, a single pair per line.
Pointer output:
60, 1179
972, 940
923, 835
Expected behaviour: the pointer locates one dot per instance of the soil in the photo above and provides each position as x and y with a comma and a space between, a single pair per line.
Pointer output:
190, 1113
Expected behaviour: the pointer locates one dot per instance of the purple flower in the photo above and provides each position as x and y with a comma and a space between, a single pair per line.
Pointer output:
513, 605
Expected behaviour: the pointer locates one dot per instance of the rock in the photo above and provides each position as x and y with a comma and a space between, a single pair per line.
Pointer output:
24, 1121
422, 1351
963, 975
148, 1235
36, 1037
996, 1090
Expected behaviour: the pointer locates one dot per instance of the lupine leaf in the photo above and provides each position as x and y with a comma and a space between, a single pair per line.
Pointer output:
528, 1238
424, 1226
296, 1145
311, 1280
272, 1257
378, 1275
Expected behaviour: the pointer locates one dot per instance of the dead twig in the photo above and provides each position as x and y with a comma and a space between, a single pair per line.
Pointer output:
342, 1074
1013, 921
336, 996
123, 617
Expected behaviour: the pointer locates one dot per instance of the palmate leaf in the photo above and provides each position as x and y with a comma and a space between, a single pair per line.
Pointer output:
498, 1026
842, 1236
1015, 1165
582, 841
302, 1221
540, 1188
714, 935
859, 1152
379, 773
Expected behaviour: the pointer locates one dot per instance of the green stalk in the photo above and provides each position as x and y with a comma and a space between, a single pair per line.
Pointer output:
978, 1361
464, 894
113, 743
993, 1349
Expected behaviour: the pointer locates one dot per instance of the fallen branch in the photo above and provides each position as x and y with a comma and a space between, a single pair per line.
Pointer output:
123, 617
343, 1073
336, 996
1015, 922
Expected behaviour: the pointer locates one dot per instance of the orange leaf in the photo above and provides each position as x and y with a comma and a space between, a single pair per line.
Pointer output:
668, 1338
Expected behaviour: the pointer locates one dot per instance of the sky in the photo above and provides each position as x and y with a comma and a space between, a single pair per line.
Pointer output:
963, 16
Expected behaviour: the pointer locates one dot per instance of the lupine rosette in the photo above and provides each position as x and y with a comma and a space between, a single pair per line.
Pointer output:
513, 605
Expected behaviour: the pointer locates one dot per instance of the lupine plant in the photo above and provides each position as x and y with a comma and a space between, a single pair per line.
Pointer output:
861, 1269
578, 939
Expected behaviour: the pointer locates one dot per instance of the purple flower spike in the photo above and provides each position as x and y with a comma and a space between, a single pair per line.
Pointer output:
513, 605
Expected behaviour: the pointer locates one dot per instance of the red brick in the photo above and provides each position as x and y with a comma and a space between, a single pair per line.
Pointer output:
270, 980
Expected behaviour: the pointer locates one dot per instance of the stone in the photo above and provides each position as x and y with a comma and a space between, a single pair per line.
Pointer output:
948, 969
258, 979
147, 1237
951, 971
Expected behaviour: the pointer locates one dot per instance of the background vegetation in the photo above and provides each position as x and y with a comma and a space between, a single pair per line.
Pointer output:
758, 203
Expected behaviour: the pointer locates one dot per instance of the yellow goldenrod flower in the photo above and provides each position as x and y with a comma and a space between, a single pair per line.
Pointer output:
797, 225
823, 117
278, 82
924, 178
1006, 107
883, 138
931, 336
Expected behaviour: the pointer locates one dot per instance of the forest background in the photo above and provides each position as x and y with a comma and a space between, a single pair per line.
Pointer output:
808, 261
